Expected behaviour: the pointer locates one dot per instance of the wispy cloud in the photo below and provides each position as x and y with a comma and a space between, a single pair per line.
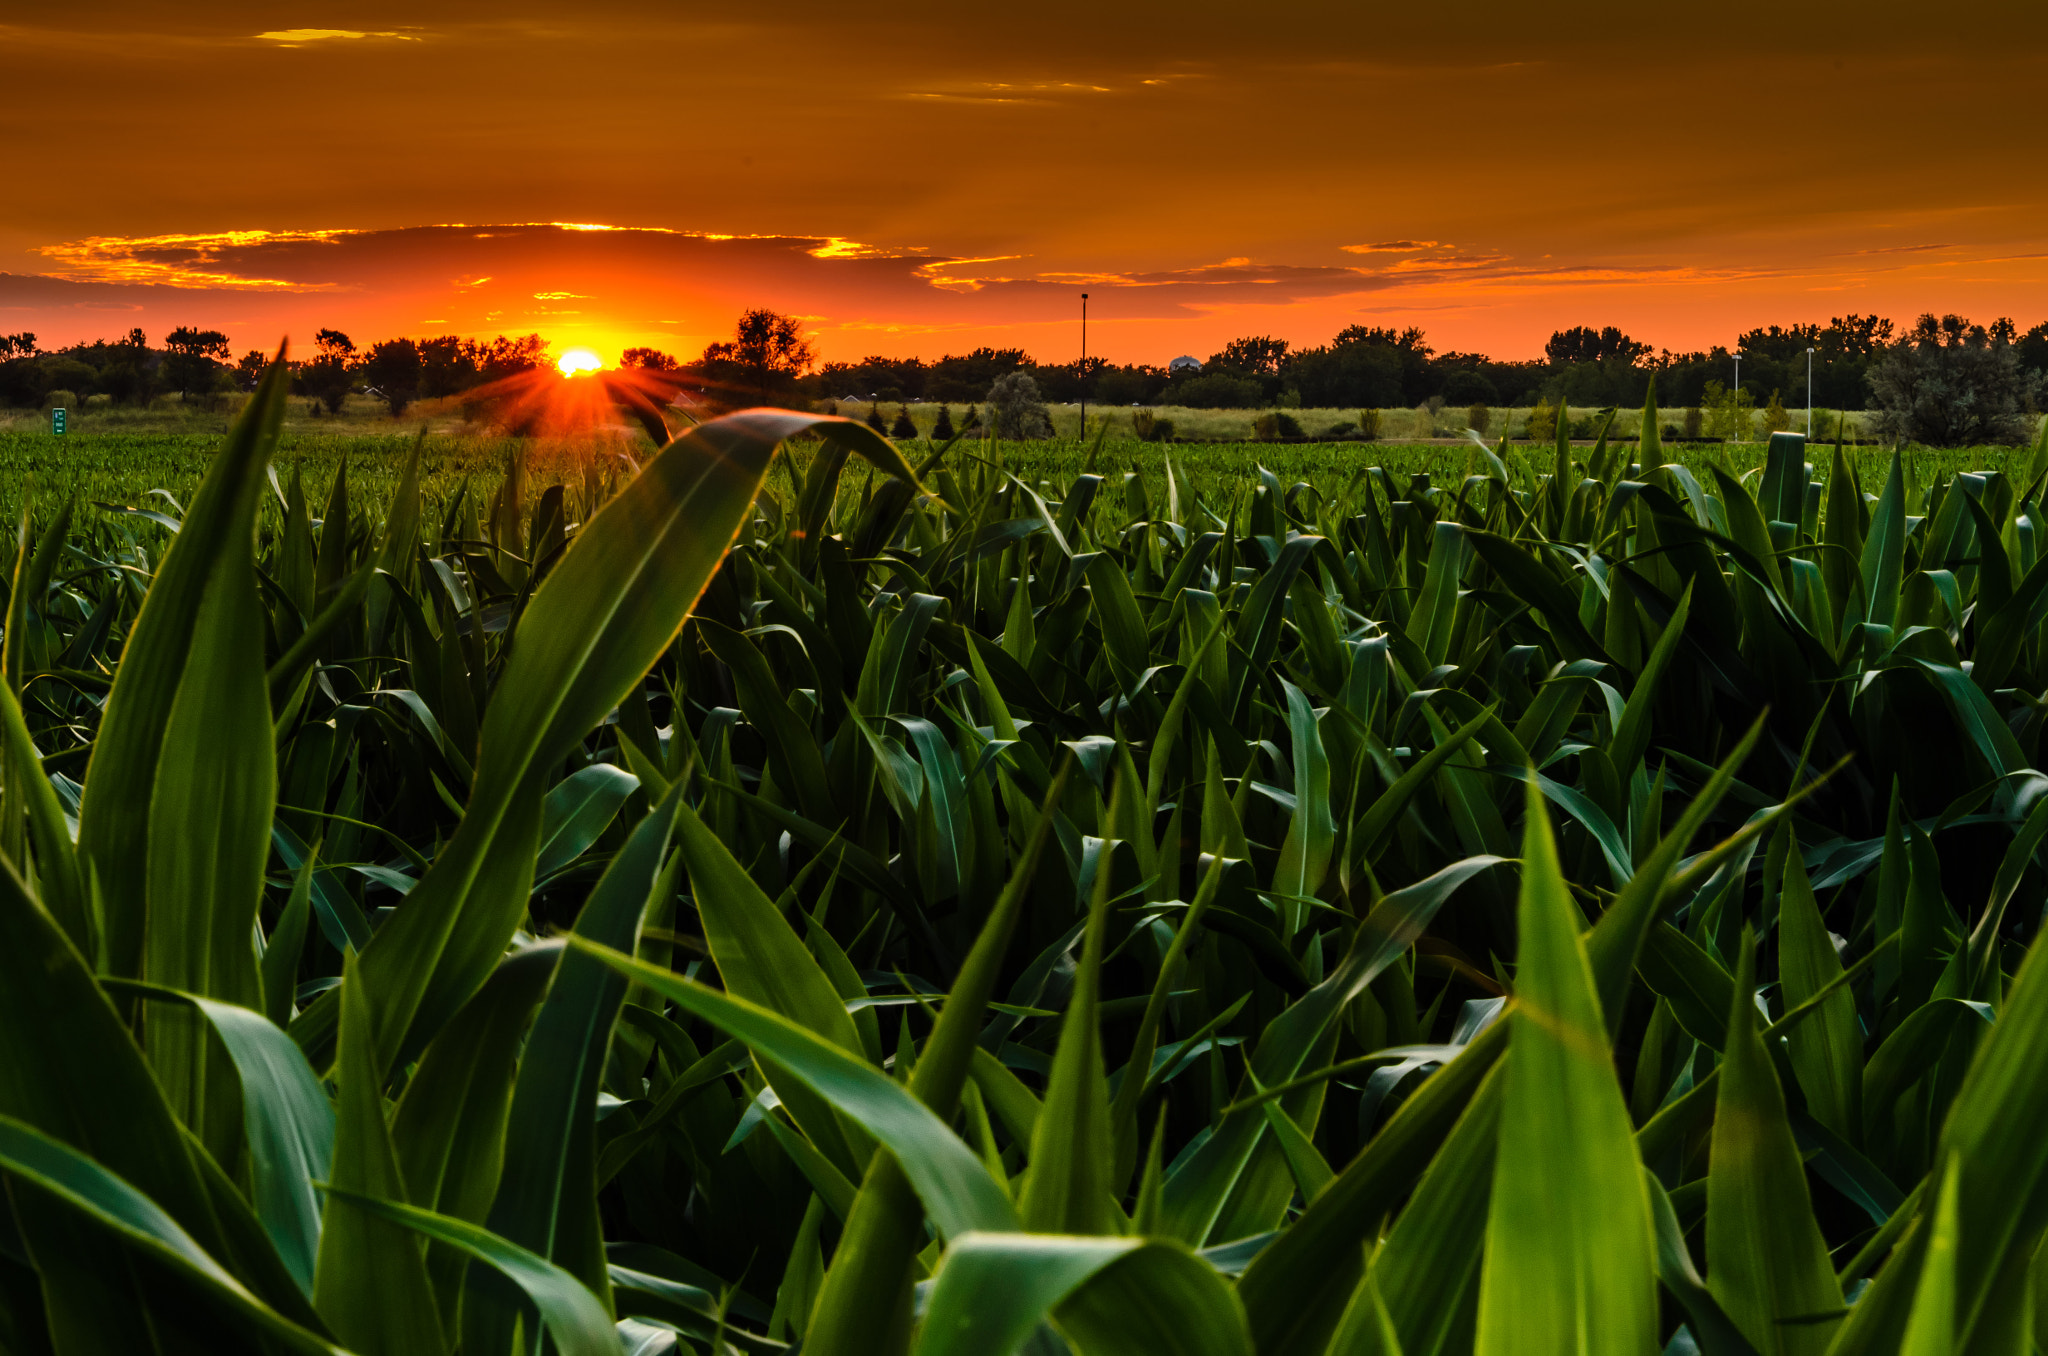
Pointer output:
1394, 247
299, 37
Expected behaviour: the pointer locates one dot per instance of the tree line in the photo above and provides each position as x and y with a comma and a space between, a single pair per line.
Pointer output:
197, 365
1940, 379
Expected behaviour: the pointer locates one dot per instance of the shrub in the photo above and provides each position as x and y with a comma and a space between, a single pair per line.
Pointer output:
1343, 428
1776, 420
1424, 425
1219, 391
1015, 408
1369, 424
874, 420
60, 400
1730, 414
1478, 418
1695, 423
1542, 425
943, 431
904, 427
1150, 427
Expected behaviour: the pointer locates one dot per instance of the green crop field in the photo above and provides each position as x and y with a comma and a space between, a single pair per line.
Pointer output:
787, 890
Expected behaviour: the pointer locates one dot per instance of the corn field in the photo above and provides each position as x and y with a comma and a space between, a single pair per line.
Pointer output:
733, 903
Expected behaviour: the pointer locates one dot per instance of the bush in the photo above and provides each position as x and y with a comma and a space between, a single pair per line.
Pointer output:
66, 400
1730, 414
1220, 391
1695, 423
1776, 420
1276, 424
1478, 418
874, 420
1015, 408
904, 427
1542, 425
1342, 429
943, 430
1369, 425
1948, 383
1425, 422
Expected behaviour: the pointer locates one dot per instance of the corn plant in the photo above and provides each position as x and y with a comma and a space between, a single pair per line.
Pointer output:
725, 904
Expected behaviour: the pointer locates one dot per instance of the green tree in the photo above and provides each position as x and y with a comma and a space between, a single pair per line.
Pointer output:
1948, 383
903, 427
1016, 410
944, 430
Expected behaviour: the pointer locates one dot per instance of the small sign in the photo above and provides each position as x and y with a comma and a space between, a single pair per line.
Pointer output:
57, 421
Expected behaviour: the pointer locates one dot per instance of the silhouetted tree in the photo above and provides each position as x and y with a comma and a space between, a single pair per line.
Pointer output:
652, 359
326, 376
395, 369
875, 418
943, 429
761, 363
903, 427
193, 357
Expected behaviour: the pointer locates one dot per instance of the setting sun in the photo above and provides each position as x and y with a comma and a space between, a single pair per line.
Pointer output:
578, 361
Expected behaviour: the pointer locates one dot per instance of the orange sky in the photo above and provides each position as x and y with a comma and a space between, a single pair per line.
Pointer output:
920, 178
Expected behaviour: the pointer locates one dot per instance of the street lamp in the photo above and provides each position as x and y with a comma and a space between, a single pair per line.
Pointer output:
1084, 367
1809, 395
1734, 398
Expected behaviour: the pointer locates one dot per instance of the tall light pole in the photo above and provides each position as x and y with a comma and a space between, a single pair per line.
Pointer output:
1734, 401
1084, 367
1809, 395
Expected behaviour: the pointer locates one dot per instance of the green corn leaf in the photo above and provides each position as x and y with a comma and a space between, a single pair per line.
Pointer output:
1884, 550
210, 728
576, 810
58, 881
1568, 1239
865, 1299
1767, 1264
1827, 1051
116, 1211
1423, 1278
1931, 1328
1069, 1189
1198, 1189
1311, 832
956, 1189
590, 631
371, 1282
1429, 625
799, 767
287, 1122
449, 1126
286, 946
547, 1197
572, 1315
1110, 1296
84, 1081
762, 960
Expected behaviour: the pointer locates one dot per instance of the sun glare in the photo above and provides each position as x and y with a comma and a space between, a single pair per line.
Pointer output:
578, 361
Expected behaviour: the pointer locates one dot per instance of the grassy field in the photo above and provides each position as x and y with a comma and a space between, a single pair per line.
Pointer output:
1287, 901
119, 455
